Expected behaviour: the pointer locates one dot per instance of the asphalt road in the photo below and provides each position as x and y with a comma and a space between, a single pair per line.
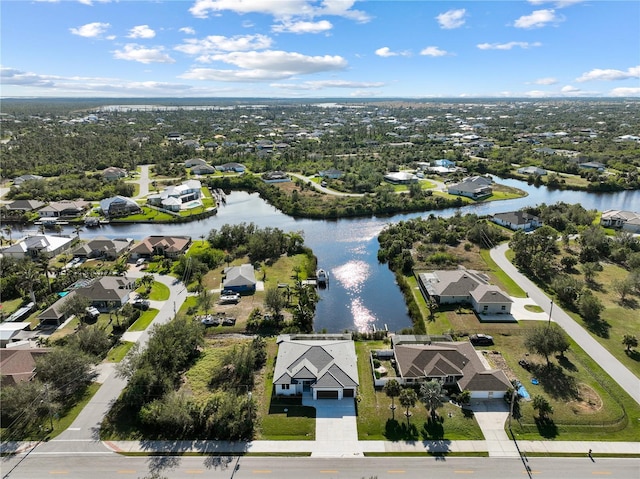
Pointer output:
625, 378
110, 466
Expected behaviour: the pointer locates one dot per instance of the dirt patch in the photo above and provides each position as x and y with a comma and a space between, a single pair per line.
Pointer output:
587, 402
497, 361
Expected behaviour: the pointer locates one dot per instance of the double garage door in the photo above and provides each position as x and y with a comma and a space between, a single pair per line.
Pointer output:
327, 395
347, 393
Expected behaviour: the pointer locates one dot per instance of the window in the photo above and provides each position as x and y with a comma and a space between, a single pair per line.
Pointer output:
285, 386
485, 308
503, 307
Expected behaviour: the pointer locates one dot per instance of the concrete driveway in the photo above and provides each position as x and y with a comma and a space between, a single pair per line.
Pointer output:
336, 428
491, 416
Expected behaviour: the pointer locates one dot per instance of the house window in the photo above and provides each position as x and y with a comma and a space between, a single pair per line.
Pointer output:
485, 308
285, 386
503, 307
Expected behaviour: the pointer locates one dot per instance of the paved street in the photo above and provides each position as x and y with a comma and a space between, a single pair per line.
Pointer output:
625, 378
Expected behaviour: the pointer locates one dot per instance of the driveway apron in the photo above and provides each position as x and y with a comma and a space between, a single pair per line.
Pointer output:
336, 428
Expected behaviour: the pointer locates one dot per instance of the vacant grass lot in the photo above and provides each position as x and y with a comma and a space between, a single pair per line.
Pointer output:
119, 351
280, 418
144, 320
376, 420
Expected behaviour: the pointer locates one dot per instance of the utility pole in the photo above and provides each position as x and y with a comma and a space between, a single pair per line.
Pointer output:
46, 391
550, 310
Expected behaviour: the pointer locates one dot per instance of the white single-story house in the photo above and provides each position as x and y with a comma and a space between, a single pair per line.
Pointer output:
626, 220
241, 279
322, 365
476, 187
191, 162
331, 173
451, 363
401, 178
113, 173
464, 286
32, 245
517, 220
119, 206
275, 177
232, 166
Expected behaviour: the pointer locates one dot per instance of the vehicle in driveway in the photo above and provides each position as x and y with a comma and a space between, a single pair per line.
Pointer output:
142, 304
481, 339
232, 298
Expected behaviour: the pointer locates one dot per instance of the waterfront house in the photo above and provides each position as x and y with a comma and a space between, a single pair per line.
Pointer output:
625, 220
31, 246
323, 366
64, 209
463, 286
476, 187
168, 246
119, 206
240, 279
517, 220
455, 364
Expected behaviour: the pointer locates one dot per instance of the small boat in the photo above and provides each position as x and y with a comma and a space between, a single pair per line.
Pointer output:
322, 276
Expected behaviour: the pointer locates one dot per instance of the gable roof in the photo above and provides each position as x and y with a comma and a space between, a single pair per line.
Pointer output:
19, 364
329, 359
516, 217
169, 244
489, 293
240, 275
457, 282
458, 359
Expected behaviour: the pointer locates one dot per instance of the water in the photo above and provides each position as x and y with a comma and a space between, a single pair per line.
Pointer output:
362, 294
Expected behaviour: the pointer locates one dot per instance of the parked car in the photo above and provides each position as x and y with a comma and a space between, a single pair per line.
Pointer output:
140, 262
229, 298
142, 304
481, 339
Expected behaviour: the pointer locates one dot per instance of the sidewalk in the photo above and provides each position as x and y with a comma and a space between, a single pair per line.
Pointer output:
426, 447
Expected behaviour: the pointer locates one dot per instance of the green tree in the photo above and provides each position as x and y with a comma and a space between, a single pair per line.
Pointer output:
408, 399
67, 369
25, 409
546, 340
392, 389
543, 406
590, 307
431, 395
275, 301
76, 304
629, 341
93, 340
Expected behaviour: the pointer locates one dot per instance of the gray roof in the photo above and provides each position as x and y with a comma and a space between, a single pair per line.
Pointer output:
332, 362
458, 282
489, 293
516, 217
242, 275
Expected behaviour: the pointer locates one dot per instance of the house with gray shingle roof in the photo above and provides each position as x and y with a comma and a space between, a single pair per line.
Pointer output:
464, 286
517, 220
322, 365
454, 364
476, 187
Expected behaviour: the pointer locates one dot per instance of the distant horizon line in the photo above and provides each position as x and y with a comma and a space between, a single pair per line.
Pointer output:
332, 98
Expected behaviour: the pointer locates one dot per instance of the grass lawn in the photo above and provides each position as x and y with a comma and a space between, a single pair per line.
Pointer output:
159, 292
282, 418
144, 320
500, 277
118, 352
147, 214
619, 318
376, 420
501, 192
9, 307
63, 422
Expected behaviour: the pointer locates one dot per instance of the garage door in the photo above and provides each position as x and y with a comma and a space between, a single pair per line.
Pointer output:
347, 393
327, 394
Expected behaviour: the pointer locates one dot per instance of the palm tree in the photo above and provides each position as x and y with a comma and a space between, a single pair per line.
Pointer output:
543, 407
29, 276
76, 230
431, 396
392, 389
42, 258
408, 399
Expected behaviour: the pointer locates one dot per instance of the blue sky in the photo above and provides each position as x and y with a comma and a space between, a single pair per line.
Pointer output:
320, 48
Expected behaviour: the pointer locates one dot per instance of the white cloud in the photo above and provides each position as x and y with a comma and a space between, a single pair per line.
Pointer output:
538, 19
13, 76
452, 19
187, 30
570, 89
433, 52
209, 46
546, 81
386, 52
280, 9
91, 2
302, 27
557, 3
138, 53
322, 84
141, 31
91, 30
507, 46
625, 91
266, 66
610, 74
